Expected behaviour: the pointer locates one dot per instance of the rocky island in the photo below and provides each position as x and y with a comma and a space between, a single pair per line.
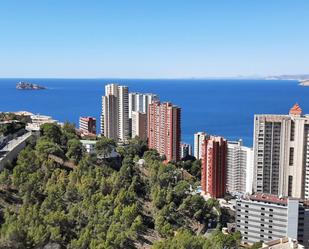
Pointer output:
29, 86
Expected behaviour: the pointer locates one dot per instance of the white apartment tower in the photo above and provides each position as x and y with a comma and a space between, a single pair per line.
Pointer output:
199, 137
115, 113
281, 154
139, 102
239, 168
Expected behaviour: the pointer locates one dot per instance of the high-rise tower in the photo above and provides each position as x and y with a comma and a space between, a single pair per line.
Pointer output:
198, 140
281, 154
214, 151
115, 113
164, 132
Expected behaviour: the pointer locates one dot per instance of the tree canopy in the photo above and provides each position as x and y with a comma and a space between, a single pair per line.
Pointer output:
97, 205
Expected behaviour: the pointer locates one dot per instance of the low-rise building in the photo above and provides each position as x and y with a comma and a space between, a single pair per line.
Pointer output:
89, 145
265, 218
283, 243
11, 147
87, 125
38, 120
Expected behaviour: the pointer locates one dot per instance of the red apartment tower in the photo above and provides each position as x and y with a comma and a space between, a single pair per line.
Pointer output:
214, 153
164, 133
87, 125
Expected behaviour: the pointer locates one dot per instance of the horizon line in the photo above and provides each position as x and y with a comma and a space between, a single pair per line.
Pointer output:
142, 78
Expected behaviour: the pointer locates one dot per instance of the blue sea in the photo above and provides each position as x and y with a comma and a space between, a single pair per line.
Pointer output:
219, 107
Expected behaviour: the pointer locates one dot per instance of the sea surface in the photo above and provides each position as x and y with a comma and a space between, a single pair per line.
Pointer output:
219, 107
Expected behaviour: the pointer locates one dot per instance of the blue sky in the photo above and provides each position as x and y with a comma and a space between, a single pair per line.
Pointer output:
153, 39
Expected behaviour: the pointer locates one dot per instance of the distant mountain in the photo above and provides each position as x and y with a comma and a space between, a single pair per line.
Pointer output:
289, 77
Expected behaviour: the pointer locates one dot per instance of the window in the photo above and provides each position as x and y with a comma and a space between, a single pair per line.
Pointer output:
291, 156
290, 185
292, 132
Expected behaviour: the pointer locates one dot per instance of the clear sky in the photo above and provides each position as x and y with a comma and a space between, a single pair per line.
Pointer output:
153, 38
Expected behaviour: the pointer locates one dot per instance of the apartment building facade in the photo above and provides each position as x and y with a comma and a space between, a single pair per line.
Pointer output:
115, 113
239, 168
164, 129
87, 125
139, 125
281, 154
214, 154
199, 137
262, 217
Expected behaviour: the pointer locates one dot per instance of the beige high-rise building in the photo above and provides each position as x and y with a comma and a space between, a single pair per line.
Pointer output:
139, 122
281, 154
115, 113
198, 140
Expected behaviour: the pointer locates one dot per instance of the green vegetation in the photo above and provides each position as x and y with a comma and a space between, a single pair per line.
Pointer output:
256, 245
7, 116
186, 240
11, 123
96, 204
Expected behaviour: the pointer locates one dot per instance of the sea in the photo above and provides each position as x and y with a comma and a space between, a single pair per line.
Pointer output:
217, 106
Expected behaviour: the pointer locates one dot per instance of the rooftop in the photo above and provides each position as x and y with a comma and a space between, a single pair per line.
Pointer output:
88, 118
283, 243
269, 198
296, 110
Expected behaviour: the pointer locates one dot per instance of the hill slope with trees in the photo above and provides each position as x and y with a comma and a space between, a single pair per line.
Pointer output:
103, 203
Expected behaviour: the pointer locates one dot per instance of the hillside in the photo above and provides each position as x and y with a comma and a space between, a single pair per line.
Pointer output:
57, 196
